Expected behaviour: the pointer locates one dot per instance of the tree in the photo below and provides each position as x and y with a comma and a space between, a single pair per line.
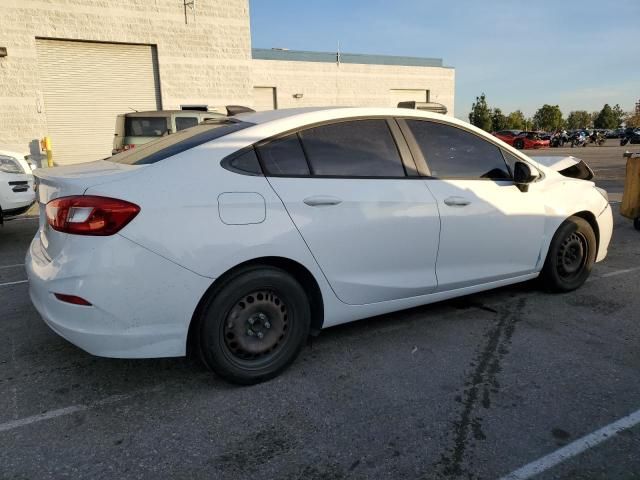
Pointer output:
548, 117
515, 120
480, 114
606, 118
578, 119
498, 120
633, 120
619, 114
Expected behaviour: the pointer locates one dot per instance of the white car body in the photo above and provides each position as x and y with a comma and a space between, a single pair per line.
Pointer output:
16, 188
386, 245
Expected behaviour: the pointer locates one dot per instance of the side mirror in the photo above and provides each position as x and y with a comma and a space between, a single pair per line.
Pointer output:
523, 176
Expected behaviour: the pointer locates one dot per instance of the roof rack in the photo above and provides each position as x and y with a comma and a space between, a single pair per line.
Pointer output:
426, 106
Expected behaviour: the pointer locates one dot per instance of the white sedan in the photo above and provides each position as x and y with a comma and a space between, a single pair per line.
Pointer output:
16, 185
237, 238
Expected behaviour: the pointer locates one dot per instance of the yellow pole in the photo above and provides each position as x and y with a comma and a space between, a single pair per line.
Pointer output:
46, 146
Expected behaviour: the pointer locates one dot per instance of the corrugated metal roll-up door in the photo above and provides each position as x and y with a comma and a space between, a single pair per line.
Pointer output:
264, 98
408, 95
86, 85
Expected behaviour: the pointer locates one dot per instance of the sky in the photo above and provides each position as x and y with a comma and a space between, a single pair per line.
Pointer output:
521, 54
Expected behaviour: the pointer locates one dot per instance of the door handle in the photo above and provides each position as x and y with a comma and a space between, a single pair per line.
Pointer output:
457, 201
322, 201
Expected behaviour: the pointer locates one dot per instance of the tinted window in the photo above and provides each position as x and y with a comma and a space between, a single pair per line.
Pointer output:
284, 156
511, 160
362, 148
185, 122
170, 145
452, 152
246, 162
145, 126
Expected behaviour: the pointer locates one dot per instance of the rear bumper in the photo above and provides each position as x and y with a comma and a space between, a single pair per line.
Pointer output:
605, 226
16, 194
141, 307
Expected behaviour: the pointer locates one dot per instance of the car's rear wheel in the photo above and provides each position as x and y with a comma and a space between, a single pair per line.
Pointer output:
519, 144
254, 326
570, 257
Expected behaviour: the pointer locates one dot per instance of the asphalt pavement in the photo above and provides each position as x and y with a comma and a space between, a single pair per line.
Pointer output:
474, 388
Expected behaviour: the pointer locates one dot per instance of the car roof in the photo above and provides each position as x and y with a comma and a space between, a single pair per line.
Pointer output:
9, 153
309, 115
163, 113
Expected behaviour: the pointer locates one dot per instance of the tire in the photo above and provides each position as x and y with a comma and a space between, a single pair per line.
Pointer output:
518, 144
254, 326
571, 256
636, 223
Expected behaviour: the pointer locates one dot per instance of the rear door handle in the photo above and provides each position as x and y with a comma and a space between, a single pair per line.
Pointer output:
457, 201
322, 201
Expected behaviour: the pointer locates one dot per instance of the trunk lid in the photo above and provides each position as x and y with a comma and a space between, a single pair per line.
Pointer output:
69, 180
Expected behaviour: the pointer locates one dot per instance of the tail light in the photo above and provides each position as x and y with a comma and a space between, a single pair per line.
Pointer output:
89, 215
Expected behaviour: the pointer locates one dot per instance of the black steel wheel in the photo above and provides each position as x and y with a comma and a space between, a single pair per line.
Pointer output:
571, 256
254, 325
636, 223
519, 144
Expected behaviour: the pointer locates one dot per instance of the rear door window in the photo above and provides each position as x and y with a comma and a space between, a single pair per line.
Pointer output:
359, 148
145, 126
284, 156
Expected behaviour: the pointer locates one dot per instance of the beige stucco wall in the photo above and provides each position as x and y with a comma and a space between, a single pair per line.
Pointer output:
207, 60
350, 84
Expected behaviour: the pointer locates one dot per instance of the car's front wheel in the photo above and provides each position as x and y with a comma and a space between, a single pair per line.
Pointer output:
254, 326
570, 257
519, 144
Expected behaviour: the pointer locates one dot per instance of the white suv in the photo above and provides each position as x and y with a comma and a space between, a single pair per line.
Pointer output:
16, 185
237, 238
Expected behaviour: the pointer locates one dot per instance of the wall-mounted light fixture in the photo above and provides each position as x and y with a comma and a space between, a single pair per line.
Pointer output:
3, 51
298, 95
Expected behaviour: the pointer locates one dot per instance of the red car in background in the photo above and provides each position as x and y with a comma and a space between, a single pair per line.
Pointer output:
522, 140
507, 136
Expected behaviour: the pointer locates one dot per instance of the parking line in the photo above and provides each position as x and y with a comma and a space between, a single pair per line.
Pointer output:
13, 283
619, 272
12, 266
61, 412
574, 448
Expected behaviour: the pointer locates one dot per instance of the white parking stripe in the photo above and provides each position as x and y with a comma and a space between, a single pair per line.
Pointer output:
12, 266
61, 412
13, 283
619, 272
574, 448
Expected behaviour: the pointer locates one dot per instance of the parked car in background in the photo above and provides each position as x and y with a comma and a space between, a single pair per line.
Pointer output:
507, 136
138, 128
529, 140
236, 238
16, 185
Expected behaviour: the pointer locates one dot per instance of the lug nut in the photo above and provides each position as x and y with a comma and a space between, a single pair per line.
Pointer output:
251, 320
267, 325
262, 316
250, 333
260, 335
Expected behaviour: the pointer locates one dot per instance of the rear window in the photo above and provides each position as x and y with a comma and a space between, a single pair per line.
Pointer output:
170, 145
145, 126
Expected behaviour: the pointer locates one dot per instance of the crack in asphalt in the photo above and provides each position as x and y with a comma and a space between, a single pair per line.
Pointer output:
481, 382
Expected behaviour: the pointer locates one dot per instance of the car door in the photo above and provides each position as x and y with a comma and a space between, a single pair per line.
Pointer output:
490, 229
373, 229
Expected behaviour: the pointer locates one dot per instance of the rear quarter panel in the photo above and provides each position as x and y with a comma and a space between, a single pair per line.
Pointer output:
180, 220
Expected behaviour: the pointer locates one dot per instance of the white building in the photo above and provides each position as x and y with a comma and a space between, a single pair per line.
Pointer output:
67, 68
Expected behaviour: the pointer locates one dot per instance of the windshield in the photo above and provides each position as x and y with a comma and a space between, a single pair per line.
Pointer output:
170, 145
145, 126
